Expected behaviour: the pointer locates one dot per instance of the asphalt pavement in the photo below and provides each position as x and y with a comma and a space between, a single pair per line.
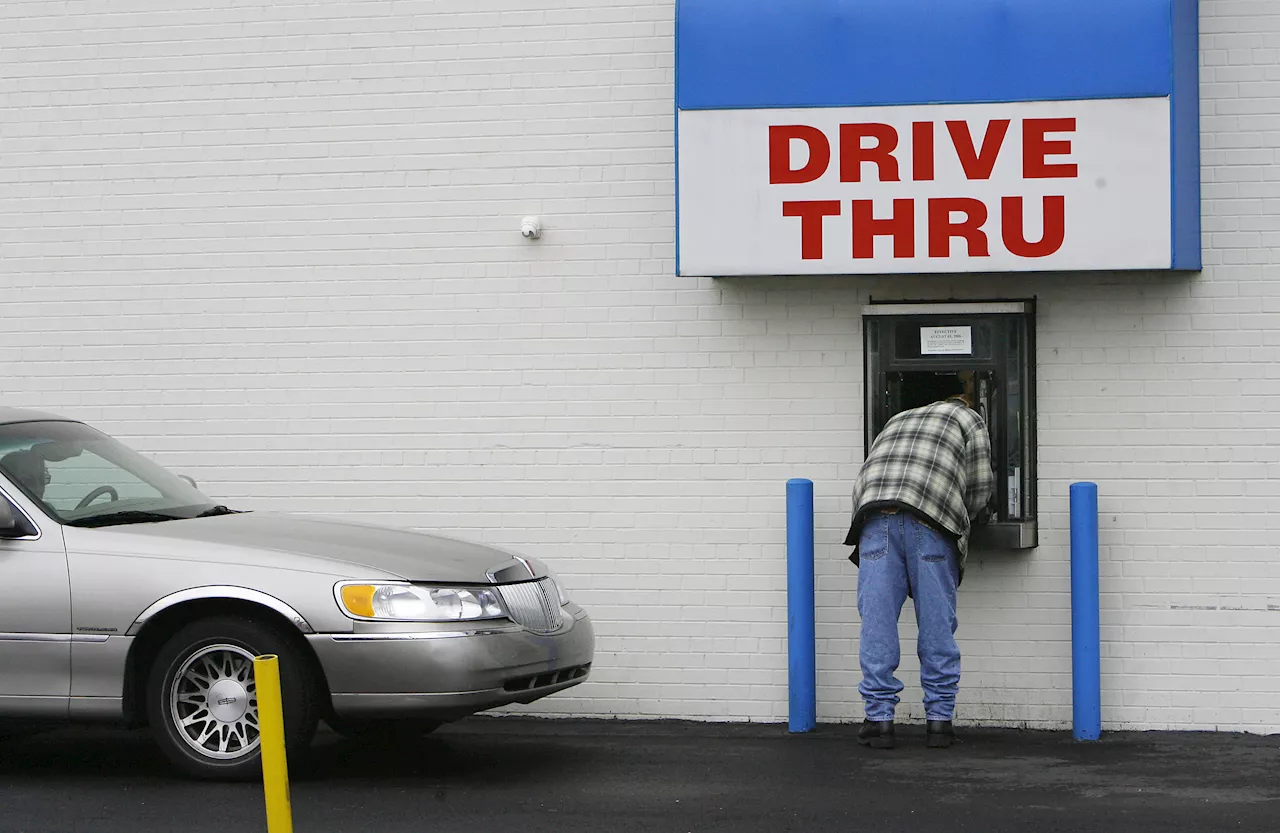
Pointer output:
508, 774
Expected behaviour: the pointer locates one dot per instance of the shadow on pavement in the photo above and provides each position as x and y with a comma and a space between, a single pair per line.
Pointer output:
503, 774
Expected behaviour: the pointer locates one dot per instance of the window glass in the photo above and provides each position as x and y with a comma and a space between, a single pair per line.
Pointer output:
83, 477
906, 336
1015, 472
75, 478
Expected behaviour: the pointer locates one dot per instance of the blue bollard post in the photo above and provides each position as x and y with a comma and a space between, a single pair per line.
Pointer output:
801, 640
1086, 639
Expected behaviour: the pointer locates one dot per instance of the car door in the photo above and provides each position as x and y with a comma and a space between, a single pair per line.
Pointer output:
35, 617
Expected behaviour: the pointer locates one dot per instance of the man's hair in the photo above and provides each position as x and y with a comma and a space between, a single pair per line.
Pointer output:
27, 469
949, 385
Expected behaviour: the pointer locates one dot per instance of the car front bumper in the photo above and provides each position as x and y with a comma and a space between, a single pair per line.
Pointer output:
447, 674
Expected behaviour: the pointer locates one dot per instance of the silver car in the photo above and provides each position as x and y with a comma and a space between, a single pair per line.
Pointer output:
127, 595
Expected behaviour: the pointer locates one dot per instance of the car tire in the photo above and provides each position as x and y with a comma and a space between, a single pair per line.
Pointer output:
391, 731
213, 659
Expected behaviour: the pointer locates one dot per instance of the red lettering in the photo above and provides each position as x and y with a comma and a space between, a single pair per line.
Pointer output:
811, 213
853, 154
780, 137
978, 165
1012, 227
942, 229
866, 228
1036, 148
922, 151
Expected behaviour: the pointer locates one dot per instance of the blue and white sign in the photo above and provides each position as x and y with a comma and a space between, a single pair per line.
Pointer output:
887, 136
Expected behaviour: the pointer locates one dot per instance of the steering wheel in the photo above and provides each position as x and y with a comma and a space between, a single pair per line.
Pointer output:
97, 493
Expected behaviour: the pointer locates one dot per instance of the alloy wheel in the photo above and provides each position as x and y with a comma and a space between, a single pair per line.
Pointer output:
213, 702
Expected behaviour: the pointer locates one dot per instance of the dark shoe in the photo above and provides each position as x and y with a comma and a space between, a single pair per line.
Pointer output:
939, 734
878, 734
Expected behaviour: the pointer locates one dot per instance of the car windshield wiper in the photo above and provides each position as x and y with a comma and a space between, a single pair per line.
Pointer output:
219, 510
128, 517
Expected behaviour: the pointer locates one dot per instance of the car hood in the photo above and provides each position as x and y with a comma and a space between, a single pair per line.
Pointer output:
306, 543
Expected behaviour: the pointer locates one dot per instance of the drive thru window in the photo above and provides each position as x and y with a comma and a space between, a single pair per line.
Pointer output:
911, 349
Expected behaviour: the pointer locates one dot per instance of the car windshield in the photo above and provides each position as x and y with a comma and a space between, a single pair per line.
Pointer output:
82, 477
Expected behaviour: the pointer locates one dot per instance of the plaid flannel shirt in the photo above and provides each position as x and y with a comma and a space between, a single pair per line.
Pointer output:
935, 461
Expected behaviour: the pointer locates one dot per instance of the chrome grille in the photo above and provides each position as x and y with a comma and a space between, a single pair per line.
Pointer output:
534, 604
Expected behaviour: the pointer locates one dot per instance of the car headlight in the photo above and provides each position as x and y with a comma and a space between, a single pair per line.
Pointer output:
419, 603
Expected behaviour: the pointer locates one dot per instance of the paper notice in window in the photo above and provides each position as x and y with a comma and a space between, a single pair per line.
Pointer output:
946, 341
1015, 493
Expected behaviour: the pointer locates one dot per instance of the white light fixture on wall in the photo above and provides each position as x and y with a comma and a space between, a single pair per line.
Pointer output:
531, 228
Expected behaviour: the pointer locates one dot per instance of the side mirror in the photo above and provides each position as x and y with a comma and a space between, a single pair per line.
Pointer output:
13, 524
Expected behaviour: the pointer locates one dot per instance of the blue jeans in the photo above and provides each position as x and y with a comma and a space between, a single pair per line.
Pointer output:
900, 556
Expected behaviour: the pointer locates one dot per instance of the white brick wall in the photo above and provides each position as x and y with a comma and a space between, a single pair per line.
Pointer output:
276, 245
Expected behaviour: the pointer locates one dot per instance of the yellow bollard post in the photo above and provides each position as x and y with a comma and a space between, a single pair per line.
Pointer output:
275, 767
